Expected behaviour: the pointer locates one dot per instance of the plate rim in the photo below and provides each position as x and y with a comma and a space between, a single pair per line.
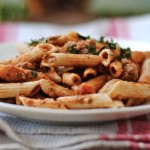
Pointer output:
74, 111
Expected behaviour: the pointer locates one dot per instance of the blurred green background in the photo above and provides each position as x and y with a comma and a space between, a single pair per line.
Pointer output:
69, 11
12, 10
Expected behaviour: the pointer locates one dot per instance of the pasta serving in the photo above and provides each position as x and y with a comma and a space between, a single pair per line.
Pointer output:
75, 72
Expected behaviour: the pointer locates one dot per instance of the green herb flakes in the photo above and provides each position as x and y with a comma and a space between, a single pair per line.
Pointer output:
92, 50
72, 50
83, 37
34, 74
36, 41
125, 53
111, 44
101, 39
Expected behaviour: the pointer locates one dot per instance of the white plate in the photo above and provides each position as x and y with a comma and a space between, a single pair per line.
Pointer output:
72, 116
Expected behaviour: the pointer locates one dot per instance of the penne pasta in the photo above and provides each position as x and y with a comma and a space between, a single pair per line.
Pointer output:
108, 85
97, 82
127, 90
87, 101
61, 40
12, 73
53, 75
92, 86
63, 69
100, 46
82, 89
116, 69
139, 56
145, 72
107, 56
27, 65
45, 103
71, 79
118, 104
35, 54
61, 59
89, 72
10, 90
54, 90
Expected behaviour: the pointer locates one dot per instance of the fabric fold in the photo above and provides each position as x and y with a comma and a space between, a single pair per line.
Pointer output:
21, 134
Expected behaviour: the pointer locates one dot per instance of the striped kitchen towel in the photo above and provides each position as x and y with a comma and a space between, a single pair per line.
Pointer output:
19, 134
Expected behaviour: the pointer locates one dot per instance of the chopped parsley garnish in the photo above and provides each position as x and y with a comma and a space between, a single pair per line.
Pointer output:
112, 44
88, 37
105, 47
101, 39
125, 53
73, 50
91, 50
34, 74
83, 37
37, 41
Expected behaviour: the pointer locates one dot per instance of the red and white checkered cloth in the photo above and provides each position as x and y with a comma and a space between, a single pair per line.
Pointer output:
118, 135
134, 28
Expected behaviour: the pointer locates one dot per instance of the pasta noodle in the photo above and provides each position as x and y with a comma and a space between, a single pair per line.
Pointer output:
123, 89
107, 56
143, 55
89, 72
12, 73
71, 79
47, 103
87, 101
61, 59
145, 73
35, 54
61, 40
73, 71
10, 90
97, 82
53, 75
115, 69
54, 90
